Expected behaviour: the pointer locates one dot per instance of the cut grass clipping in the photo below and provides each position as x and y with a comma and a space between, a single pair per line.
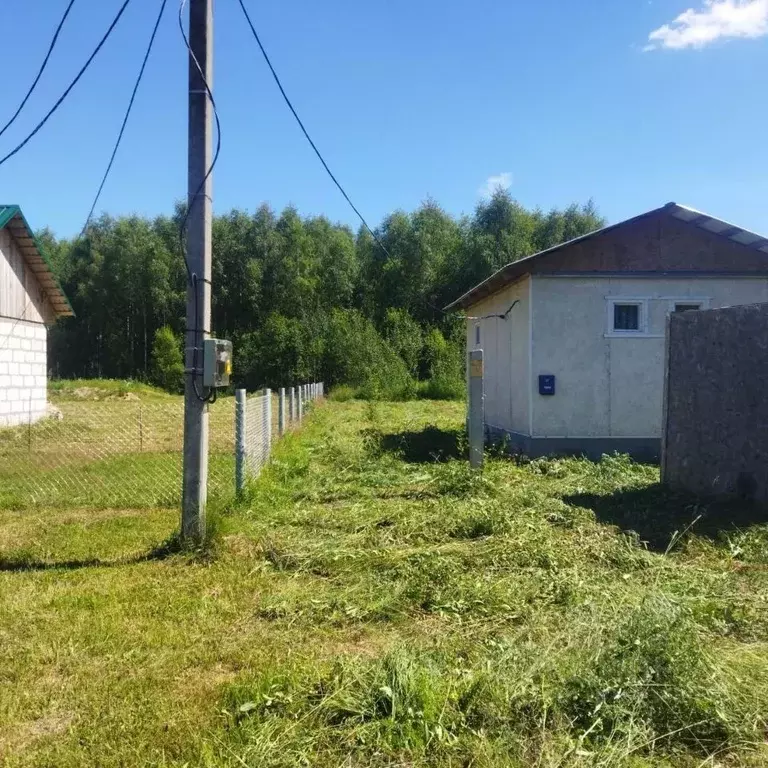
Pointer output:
376, 603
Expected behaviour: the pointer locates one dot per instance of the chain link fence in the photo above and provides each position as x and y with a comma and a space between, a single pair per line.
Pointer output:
127, 453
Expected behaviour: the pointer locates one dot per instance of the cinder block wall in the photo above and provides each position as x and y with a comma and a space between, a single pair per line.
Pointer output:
715, 433
22, 372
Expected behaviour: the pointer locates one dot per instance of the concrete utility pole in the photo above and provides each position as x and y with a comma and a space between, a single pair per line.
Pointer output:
195, 483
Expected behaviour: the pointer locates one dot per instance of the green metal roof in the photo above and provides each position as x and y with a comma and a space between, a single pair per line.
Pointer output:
13, 219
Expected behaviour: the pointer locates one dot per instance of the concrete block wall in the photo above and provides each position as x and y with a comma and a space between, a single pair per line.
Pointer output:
715, 440
23, 374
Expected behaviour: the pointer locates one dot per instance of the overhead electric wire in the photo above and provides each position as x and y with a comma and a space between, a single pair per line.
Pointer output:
127, 115
40, 71
71, 85
304, 130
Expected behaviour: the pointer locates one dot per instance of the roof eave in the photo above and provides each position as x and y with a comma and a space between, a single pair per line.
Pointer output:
35, 256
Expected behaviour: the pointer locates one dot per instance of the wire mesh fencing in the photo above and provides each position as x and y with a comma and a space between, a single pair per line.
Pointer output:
120, 453
259, 418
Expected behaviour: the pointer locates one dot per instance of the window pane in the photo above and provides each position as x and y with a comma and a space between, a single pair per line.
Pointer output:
686, 307
626, 317
477, 334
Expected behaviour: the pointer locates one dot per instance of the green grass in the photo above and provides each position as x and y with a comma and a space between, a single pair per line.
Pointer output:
103, 389
376, 603
118, 443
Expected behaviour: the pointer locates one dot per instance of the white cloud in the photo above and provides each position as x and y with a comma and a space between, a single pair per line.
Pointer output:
718, 19
492, 183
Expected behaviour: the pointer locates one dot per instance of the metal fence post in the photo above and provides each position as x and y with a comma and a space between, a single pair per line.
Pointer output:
281, 412
299, 403
476, 409
239, 441
292, 405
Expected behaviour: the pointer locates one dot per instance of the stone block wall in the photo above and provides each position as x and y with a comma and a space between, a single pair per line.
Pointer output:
715, 424
23, 374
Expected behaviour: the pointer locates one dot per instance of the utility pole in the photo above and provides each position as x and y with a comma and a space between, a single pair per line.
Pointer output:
195, 483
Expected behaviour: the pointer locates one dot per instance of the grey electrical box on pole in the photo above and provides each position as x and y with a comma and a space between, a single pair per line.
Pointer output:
198, 253
476, 425
217, 363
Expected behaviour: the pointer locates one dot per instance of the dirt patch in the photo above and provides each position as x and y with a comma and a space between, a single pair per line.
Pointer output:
125, 397
241, 545
25, 734
361, 643
86, 393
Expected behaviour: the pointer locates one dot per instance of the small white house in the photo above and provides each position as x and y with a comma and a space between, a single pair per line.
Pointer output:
30, 300
574, 337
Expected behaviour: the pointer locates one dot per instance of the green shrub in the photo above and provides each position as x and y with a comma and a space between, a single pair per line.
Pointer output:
167, 361
442, 389
404, 335
341, 393
444, 367
357, 355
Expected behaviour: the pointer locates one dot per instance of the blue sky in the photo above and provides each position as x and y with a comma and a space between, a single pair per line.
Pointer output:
633, 103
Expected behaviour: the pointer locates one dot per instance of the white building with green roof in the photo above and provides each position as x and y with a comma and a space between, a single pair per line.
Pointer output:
31, 300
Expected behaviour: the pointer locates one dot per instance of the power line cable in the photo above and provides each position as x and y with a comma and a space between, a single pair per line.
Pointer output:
127, 115
304, 130
71, 85
41, 70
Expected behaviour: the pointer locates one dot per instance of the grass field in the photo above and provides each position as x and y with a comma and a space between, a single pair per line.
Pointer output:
118, 444
375, 603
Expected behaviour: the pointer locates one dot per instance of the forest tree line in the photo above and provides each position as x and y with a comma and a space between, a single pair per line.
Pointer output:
301, 298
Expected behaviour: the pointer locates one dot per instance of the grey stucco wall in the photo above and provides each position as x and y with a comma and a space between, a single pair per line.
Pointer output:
715, 428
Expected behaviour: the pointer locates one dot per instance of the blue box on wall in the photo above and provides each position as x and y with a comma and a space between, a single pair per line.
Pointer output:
547, 385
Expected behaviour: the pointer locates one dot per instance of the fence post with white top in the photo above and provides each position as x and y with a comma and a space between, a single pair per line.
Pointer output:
281, 412
239, 441
267, 423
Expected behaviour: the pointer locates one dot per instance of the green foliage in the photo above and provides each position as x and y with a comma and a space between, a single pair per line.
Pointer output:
167, 361
404, 335
357, 355
444, 367
277, 281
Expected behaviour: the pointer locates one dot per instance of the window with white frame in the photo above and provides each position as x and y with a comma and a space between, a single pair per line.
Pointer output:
627, 317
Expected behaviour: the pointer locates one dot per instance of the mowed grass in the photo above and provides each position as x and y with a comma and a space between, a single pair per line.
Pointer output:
375, 603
